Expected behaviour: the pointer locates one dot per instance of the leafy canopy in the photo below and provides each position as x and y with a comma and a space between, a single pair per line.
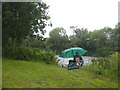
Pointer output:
21, 19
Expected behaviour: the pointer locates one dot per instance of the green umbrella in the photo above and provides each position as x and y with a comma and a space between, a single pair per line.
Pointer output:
69, 53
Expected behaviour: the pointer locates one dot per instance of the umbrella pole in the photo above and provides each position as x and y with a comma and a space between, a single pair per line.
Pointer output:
72, 53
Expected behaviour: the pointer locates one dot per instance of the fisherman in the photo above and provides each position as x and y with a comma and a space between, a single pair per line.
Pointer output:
78, 59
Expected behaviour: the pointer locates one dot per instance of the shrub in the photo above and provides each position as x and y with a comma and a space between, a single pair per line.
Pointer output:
107, 66
23, 53
29, 54
8, 52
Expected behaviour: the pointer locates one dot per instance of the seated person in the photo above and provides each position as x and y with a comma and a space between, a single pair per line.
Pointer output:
78, 59
71, 63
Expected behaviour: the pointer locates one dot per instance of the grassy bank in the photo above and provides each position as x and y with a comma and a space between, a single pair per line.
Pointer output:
26, 74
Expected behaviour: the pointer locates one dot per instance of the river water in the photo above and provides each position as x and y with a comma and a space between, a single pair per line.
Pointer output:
87, 59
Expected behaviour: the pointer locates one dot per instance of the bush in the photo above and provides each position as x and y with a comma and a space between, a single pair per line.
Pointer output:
8, 52
106, 66
23, 53
29, 54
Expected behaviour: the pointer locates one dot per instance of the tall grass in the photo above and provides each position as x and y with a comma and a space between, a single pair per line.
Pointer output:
106, 66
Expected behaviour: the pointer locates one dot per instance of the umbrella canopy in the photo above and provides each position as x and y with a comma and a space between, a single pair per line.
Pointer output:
69, 53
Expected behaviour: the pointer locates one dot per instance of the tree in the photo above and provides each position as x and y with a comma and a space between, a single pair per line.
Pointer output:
118, 35
35, 42
22, 19
58, 39
104, 41
80, 37
112, 38
100, 42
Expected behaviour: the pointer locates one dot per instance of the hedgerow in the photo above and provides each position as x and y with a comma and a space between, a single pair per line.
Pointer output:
28, 54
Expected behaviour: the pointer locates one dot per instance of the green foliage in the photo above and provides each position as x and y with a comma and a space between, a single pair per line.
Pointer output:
21, 19
23, 53
48, 56
29, 54
100, 42
58, 40
106, 66
35, 42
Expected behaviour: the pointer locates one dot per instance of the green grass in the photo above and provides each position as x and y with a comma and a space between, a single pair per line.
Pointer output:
26, 74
